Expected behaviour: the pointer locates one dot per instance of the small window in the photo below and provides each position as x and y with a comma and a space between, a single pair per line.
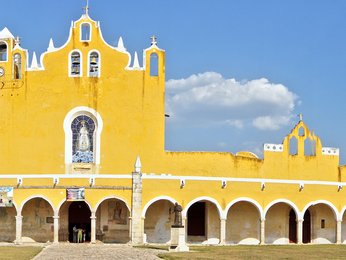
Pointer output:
17, 66
154, 65
85, 32
94, 59
75, 64
301, 131
323, 223
293, 146
3, 51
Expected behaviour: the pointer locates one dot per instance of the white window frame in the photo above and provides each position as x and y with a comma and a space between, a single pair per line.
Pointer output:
81, 32
6, 52
99, 64
70, 64
71, 115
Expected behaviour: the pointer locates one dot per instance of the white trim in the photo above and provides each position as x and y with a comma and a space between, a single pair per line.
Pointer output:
80, 31
70, 64
330, 151
204, 198
244, 199
7, 51
111, 197
38, 196
82, 110
99, 64
337, 215
152, 201
342, 212
282, 200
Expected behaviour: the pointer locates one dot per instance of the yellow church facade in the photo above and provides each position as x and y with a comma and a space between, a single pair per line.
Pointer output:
82, 143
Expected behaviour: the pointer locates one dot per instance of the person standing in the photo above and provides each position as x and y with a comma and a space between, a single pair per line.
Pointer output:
74, 234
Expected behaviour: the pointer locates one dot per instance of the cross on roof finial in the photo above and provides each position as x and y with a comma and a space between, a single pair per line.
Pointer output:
300, 116
86, 8
153, 40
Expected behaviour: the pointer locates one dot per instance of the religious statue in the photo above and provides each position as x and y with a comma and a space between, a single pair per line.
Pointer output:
83, 139
177, 216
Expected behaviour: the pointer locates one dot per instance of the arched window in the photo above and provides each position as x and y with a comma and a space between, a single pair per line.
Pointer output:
3, 51
85, 32
154, 65
293, 146
83, 139
75, 64
309, 147
94, 64
301, 131
83, 127
17, 66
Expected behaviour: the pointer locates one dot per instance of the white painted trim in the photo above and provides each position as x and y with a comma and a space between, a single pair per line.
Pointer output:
337, 215
112, 197
244, 199
63, 201
63, 176
38, 196
152, 201
82, 110
70, 64
282, 200
80, 31
203, 198
342, 212
99, 64
7, 51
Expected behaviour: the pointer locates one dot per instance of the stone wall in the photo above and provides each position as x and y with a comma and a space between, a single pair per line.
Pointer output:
7, 224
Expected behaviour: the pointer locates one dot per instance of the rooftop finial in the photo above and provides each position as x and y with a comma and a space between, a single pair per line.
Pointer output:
153, 40
86, 8
300, 116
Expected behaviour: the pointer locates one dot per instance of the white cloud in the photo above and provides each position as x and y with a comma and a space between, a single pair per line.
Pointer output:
209, 97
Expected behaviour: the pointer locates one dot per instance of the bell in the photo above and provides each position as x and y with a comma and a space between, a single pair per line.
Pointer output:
93, 61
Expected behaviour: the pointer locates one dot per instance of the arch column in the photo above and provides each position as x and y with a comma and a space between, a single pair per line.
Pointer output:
93, 227
263, 234
300, 231
223, 231
338, 231
56, 227
19, 225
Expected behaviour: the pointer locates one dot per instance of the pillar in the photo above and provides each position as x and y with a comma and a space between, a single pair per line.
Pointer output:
93, 227
222, 231
263, 235
56, 228
19, 224
300, 231
136, 212
338, 231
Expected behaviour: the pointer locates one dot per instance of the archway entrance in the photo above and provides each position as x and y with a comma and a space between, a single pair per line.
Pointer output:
79, 216
307, 227
196, 220
292, 234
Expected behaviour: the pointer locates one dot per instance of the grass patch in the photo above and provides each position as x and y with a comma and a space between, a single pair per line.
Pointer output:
19, 252
261, 252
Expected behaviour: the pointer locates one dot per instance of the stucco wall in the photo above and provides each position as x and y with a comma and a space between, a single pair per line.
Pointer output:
7, 224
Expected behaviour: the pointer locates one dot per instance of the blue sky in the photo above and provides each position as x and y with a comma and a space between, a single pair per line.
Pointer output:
238, 72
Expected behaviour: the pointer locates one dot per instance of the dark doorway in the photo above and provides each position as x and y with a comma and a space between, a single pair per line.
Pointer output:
307, 227
292, 233
79, 216
196, 219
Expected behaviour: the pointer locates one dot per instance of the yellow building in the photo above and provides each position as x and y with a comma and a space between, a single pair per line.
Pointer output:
82, 145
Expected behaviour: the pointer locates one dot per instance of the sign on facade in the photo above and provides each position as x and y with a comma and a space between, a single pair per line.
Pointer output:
6, 196
75, 194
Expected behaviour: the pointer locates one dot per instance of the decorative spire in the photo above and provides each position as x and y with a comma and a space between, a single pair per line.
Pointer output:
34, 63
51, 45
153, 40
136, 62
300, 117
138, 165
121, 44
17, 41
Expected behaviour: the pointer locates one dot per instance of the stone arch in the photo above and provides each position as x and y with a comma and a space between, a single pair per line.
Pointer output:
205, 198
149, 203
8, 223
290, 203
245, 199
37, 212
243, 221
110, 197
64, 200
158, 218
337, 215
